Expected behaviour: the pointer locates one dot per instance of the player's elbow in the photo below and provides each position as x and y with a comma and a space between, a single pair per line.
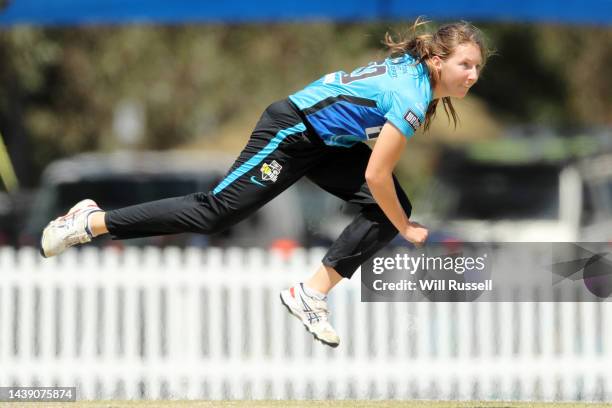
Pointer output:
370, 176
375, 176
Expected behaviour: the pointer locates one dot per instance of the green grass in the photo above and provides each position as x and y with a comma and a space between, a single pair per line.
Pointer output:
306, 404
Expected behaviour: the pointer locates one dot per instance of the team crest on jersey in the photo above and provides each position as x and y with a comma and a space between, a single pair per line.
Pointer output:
270, 171
412, 119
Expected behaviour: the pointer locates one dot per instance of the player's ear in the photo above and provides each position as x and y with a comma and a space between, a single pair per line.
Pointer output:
436, 62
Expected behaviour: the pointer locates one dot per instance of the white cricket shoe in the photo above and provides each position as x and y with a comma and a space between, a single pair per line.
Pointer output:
68, 230
312, 312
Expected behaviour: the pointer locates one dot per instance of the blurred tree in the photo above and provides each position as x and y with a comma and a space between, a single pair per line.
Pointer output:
584, 58
518, 83
555, 75
25, 55
61, 86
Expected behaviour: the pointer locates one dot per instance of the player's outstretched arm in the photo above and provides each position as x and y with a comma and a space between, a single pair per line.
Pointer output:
379, 176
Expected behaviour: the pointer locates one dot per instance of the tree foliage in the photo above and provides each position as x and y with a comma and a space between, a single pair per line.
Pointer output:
61, 86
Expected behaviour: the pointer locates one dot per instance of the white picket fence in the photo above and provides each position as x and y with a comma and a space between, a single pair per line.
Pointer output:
208, 324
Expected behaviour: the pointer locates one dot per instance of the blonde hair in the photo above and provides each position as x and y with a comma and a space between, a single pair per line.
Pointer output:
441, 43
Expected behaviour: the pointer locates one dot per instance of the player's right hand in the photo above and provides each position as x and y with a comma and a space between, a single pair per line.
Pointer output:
416, 233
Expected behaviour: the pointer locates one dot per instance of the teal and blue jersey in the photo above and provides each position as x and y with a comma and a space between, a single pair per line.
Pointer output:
346, 108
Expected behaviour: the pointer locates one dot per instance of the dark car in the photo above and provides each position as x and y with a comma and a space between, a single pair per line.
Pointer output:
303, 215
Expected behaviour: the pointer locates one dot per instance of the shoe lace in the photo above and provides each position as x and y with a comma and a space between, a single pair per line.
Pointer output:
320, 310
75, 236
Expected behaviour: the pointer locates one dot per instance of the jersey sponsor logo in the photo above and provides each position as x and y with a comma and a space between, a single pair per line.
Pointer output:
373, 132
270, 171
412, 119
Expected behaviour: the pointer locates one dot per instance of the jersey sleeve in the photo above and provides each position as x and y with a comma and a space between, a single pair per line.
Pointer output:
403, 112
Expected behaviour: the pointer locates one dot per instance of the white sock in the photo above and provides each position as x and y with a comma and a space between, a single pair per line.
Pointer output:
88, 226
313, 293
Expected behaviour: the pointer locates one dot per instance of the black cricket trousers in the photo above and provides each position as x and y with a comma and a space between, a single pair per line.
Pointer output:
282, 149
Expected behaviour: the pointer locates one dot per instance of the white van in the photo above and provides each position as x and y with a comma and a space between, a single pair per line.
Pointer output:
120, 179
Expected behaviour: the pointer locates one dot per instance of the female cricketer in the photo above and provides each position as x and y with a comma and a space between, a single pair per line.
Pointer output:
318, 132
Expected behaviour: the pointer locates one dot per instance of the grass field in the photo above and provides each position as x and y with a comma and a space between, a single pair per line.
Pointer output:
307, 404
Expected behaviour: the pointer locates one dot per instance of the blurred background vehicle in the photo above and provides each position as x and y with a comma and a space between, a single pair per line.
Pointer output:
596, 215
304, 215
515, 190
14, 209
6, 222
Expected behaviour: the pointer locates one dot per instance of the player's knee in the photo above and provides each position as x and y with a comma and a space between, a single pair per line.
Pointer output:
375, 214
214, 225
210, 218
210, 223
378, 224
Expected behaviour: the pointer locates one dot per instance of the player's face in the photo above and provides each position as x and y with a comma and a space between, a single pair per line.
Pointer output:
460, 71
